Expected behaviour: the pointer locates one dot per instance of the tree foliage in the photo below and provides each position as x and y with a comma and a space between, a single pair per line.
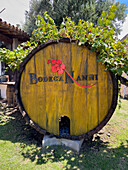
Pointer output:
37, 7
88, 10
100, 38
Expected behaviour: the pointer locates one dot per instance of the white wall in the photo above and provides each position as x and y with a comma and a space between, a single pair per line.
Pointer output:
0, 68
124, 28
2, 87
3, 90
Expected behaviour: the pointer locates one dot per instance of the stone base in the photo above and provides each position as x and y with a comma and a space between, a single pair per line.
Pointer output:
73, 144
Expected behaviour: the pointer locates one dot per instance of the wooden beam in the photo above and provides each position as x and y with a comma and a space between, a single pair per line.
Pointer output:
5, 39
10, 32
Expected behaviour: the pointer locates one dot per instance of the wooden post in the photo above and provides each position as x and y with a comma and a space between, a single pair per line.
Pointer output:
15, 43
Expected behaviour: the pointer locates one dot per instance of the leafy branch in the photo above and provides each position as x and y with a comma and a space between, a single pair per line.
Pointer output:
100, 38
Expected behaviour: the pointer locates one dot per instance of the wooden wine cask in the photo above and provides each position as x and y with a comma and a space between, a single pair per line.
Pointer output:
63, 90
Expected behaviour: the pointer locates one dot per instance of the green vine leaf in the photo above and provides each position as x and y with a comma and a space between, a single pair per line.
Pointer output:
100, 38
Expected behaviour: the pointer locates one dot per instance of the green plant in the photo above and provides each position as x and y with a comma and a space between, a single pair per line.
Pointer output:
14, 58
100, 38
76, 9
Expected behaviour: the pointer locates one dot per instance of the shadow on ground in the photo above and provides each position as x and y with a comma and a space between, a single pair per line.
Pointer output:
93, 154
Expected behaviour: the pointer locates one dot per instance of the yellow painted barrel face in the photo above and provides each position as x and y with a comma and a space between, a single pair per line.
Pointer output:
47, 96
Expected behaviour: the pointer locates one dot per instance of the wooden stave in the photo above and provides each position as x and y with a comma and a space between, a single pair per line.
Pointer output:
35, 125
